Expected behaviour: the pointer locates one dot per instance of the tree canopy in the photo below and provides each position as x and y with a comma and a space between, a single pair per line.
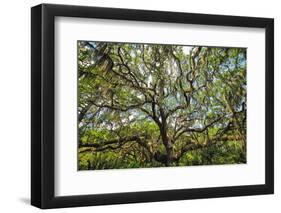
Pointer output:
152, 105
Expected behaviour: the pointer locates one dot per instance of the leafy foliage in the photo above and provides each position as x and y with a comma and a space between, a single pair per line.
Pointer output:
148, 105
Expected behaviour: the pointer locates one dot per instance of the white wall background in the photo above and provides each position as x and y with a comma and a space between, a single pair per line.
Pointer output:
15, 105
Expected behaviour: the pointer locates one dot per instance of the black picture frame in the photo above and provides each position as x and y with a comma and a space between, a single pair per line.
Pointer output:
43, 102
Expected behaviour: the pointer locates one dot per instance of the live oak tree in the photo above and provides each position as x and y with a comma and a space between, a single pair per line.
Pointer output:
148, 105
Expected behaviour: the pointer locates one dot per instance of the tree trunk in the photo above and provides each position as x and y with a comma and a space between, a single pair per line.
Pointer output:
167, 143
164, 127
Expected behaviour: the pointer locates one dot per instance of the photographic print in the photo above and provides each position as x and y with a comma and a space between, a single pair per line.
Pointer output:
159, 105
175, 108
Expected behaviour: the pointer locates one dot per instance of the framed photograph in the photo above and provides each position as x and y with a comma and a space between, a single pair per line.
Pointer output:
139, 106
